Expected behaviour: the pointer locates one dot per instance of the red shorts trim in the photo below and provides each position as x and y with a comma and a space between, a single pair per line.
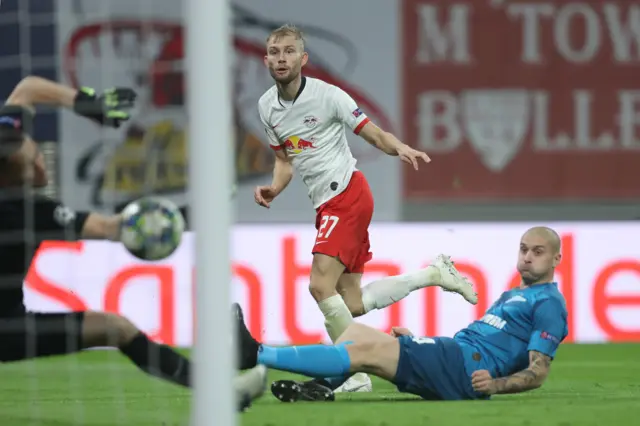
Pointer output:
343, 225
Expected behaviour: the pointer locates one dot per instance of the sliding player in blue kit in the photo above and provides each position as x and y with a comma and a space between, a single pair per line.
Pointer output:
508, 350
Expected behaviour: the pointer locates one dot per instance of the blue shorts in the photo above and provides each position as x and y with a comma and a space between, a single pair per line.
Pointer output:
433, 368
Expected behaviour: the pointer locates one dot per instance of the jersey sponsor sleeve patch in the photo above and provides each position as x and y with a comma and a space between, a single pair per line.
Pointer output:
548, 336
347, 111
549, 327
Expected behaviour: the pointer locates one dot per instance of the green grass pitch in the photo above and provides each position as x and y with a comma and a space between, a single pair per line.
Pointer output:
589, 385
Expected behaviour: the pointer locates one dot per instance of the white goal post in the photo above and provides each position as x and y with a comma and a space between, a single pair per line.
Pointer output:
208, 49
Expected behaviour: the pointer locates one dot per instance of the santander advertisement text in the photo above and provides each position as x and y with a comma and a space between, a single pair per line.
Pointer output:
599, 277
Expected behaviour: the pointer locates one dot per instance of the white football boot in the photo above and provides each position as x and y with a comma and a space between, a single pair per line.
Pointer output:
250, 386
452, 281
359, 382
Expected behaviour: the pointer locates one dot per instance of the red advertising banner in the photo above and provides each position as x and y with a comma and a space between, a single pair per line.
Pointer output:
522, 99
270, 278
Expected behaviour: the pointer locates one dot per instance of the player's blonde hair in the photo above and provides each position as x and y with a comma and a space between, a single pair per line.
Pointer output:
287, 30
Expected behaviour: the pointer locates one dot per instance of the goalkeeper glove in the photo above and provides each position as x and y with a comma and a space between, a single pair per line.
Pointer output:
108, 109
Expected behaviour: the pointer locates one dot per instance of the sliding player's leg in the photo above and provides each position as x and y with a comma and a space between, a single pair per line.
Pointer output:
330, 361
360, 350
386, 291
432, 368
323, 389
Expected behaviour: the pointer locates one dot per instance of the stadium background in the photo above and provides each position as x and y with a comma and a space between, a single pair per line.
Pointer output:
530, 112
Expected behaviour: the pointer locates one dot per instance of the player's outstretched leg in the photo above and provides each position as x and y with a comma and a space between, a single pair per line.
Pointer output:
289, 391
250, 386
441, 273
247, 350
34, 335
364, 350
360, 349
101, 329
286, 390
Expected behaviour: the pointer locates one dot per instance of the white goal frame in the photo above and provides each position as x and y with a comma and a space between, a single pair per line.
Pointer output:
208, 60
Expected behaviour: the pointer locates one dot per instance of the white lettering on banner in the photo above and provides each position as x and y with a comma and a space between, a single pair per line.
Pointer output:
624, 35
446, 42
603, 24
546, 80
530, 14
438, 112
496, 123
562, 30
599, 277
629, 118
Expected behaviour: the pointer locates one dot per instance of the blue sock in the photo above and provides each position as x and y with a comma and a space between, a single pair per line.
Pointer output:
314, 361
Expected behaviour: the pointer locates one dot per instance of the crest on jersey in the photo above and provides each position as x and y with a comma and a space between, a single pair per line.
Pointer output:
310, 121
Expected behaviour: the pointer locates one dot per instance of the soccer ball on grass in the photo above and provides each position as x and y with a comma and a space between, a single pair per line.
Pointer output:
152, 228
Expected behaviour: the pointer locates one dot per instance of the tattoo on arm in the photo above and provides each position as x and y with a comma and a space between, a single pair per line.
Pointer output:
530, 378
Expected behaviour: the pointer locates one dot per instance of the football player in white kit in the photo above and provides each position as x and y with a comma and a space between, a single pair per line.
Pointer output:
305, 119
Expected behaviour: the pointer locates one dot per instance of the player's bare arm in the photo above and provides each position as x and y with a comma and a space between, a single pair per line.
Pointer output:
101, 227
282, 174
390, 145
32, 91
108, 109
528, 379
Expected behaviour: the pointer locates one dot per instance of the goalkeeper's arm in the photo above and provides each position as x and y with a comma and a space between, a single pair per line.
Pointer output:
32, 91
109, 109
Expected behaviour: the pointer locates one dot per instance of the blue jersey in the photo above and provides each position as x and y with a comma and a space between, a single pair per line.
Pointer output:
521, 320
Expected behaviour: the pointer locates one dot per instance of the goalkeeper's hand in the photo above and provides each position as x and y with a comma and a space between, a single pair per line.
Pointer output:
109, 109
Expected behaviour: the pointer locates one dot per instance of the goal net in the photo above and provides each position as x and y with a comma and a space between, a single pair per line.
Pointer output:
103, 44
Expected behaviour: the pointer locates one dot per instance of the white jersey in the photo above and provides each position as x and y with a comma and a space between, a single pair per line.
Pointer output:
312, 130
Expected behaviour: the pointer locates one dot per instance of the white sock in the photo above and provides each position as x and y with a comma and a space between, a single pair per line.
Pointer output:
387, 291
337, 316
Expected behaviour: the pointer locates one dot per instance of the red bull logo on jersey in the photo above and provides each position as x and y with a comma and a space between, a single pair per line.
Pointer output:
295, 145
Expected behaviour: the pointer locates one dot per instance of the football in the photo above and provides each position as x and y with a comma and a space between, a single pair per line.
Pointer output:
152, 228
